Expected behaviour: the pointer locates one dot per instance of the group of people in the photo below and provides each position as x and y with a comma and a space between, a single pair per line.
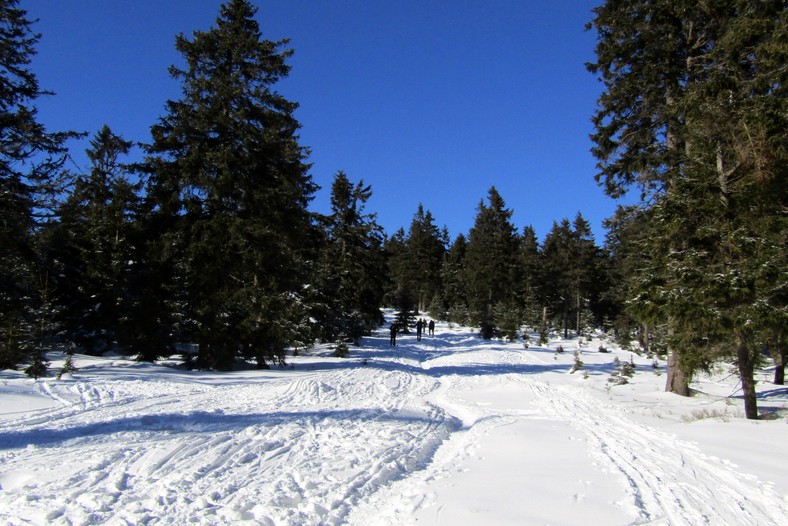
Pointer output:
421, 325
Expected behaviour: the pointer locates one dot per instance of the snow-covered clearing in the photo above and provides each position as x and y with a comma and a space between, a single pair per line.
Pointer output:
452, 430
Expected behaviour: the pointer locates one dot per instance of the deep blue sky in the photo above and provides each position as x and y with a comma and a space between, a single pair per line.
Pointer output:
429, 101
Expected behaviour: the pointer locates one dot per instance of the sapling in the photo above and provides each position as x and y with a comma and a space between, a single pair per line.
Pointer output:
578, 364
68, 365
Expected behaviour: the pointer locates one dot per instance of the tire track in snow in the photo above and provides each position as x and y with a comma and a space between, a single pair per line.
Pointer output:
669, 481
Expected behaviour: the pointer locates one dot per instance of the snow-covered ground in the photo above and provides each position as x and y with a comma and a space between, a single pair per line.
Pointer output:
452, 430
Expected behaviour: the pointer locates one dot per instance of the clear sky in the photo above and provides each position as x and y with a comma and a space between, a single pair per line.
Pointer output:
429, 101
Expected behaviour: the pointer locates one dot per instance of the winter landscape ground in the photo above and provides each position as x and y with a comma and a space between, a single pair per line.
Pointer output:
452, 430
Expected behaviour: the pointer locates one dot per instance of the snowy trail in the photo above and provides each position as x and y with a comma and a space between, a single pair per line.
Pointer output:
670, 481
287, 451
449, 430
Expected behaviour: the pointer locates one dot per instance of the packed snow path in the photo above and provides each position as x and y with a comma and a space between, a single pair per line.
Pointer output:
449, 430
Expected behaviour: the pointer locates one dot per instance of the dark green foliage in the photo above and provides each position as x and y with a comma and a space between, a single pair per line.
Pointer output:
341, 350
491, 263
531, 291
571, 278
416, 263
455, 295
694, 115
68, 364
406, 310
229, 186
92, 248
39, 366
31, 179
352, 265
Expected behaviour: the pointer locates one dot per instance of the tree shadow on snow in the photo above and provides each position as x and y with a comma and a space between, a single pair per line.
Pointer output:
212, 423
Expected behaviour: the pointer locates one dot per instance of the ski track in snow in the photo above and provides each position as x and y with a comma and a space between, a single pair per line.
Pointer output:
670, 482
354, 444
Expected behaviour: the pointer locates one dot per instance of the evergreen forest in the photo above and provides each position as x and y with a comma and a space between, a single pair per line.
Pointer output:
206, 247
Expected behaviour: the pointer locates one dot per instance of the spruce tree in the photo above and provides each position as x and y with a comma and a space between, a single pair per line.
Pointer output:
31, 179
646, 55
230, 187
352, 263
455, 295
492, 269
426, 247
532, 275
91, 245
558, 284
706, 137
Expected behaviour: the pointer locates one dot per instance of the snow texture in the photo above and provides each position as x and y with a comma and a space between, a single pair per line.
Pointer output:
450, 430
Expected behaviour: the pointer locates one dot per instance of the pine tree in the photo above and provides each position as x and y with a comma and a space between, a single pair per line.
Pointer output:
31, 179
91, 245
706, 136
230, 188
352, 263
455, 295
491, 263
647, 54
426, 247
532, 274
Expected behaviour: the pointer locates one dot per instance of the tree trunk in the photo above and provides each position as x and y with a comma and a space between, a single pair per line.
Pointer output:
779, 368
643, 337
678, 379
746, 369
779, 355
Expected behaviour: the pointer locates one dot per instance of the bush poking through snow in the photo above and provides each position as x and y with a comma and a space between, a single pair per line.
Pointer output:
622, 373
578, 364
341, 350
68, 365
39, 366
704, 414
544, 335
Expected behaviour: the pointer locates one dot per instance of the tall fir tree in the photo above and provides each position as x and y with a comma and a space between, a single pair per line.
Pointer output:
230, 187
352, 264
31, 179
557, 283
426, 248
455, 294
706, 135
532, 273
92, 247
492, 270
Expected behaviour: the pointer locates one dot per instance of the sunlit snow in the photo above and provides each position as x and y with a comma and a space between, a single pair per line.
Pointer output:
452, 430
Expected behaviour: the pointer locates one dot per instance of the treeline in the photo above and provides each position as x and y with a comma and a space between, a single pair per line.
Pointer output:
499, 279
207, 244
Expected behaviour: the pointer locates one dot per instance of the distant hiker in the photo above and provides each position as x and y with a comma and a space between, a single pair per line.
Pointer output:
432, 327
394, 329
419, 325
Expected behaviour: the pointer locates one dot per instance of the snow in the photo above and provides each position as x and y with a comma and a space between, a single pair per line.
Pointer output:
447, 431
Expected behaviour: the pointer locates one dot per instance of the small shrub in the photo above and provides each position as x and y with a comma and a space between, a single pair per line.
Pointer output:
68, 365
578, 364
704, 414
544, 335
341, 350
622, 372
